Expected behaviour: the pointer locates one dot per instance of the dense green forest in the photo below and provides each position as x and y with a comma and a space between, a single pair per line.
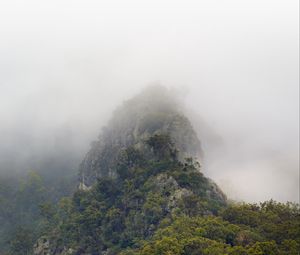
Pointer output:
155, 207
141, 191
22, 199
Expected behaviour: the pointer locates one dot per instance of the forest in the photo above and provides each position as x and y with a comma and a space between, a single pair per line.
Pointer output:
158, 206
140, 190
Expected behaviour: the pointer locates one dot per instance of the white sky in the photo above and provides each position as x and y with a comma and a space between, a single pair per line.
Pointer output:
69, 63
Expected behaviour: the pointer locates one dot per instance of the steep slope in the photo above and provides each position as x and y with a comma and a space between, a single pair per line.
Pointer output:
142, 192
154, 111
142, 171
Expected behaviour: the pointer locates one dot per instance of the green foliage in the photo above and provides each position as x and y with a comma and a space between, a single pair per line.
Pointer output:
22, 242
159, 206
212, 235
275, 221
162, 146
153, 208
27, 210
139, 213
20, 216
122, 212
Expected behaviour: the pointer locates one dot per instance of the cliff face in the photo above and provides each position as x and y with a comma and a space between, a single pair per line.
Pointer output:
142, 172
152, 112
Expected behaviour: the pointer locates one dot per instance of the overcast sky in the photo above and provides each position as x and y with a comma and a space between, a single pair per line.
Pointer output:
65, 65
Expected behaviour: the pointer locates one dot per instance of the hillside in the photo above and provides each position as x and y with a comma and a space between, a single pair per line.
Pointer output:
153, 112
141, 191
141, 171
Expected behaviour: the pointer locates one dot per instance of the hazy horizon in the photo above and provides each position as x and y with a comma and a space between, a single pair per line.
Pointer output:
65, 66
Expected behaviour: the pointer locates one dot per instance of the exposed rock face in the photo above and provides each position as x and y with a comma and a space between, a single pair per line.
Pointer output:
152, 112
145, 164
43, 247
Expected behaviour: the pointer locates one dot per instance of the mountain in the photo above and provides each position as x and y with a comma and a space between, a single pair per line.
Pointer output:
141, 192
141, 171
153, 112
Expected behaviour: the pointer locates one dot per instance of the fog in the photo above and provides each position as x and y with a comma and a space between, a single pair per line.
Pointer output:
65, 66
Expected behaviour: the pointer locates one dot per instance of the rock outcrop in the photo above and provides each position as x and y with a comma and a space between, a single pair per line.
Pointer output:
154, 111
142, 171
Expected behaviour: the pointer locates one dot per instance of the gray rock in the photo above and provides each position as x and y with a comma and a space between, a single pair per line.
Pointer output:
152, 112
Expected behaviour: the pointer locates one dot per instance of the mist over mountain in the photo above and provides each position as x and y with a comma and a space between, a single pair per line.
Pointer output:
268, 157
154, 111
141, 177
62, 78
153, 127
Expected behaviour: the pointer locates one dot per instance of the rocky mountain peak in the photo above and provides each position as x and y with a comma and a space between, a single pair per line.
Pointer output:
152, 113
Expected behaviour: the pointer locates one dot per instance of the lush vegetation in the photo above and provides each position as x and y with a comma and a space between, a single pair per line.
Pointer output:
141, 193
269, 228
158, 206
23, 207
120, 213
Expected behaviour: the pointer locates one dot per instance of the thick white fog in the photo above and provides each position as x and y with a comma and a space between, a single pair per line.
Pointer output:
65, 66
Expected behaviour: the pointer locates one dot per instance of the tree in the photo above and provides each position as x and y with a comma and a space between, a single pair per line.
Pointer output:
22, 242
